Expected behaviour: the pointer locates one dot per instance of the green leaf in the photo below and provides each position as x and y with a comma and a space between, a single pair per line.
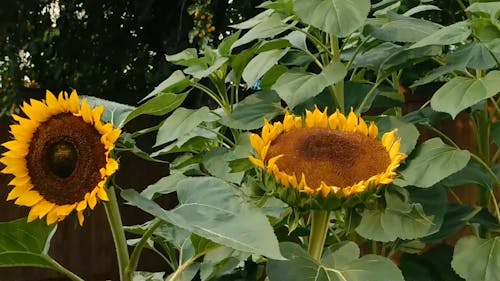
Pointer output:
25, 244
477, 259
401, 218
375, 57
158, 106
181, 122
297, 87
340, 254
199, 71
300, 266
176, 82
452, 34
164, 185
226, 44
471, 174
340, 17
266, 28
114, 112
460, 93
184, 57
406, 131
260, 64
491, 8
217, 161
250, 113
455, 218
431, 162
253, 21
283, 6
210, 208
473, 55
398, 28
147, 276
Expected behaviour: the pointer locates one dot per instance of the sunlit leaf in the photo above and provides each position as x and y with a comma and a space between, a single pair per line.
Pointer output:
210, 208
181, 122
462, 92
297, 87
340, 17
157, 106
260, 64
300, 266
455, 33
250, 113
431, 162
25, 244
477, 259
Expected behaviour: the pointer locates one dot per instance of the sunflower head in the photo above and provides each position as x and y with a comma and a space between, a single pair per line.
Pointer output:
59, 157
321, 161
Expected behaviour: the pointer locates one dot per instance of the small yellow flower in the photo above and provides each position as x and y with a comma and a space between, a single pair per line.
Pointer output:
320, 160
59, 157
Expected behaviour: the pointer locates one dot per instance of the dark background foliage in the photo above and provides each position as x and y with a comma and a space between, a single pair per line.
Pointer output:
108, 49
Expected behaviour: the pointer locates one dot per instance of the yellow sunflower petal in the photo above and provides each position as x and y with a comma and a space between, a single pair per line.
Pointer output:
40, 210
18, 191
373, 130
29, 198
81, 218
101, 192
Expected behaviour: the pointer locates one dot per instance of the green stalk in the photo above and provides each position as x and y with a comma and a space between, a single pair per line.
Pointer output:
338, 90
136, 253
482, 123
61, 269
319, 229
116, 225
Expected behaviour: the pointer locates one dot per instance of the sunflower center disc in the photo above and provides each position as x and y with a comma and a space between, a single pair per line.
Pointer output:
337, 158
62, 158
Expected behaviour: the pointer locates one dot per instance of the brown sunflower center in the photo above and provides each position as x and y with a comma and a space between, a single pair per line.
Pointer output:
64, 159
338, 158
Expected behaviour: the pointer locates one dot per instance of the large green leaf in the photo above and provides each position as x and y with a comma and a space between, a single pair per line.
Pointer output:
114, 112
340, 17
455, 33
249, 114
401, 218
268, 26
398, 28
176, 82
477, 259
431, 162
300, 266
375, 57
260, 64
475, 55
461, 92
217, 162
406, 131
157, 106
210, 208
297, 87
25, 244
181, 122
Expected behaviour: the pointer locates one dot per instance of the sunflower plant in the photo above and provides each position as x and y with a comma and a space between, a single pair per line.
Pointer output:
309, 161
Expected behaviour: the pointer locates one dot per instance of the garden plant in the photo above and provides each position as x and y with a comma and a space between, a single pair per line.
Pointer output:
308, 163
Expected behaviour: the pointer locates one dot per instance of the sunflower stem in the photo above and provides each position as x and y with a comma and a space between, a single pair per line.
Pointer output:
116, 225
319, 229
61, 269
136, 253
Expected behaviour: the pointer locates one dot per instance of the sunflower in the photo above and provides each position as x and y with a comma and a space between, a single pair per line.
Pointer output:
59, 157
322, 160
